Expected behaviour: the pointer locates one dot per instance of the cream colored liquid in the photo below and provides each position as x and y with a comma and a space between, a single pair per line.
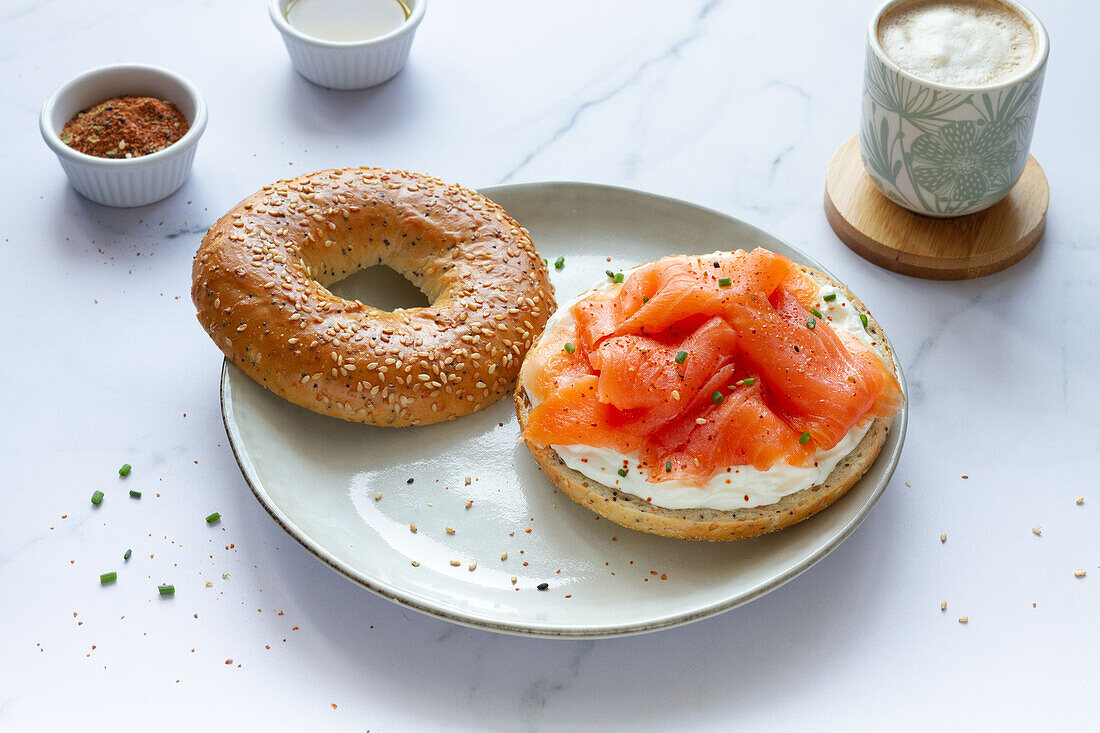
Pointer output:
966, 43
346, 21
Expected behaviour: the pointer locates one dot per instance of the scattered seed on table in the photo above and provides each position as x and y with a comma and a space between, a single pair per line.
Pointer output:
378, 496
514, 580
469, 503
964, 619
473, 566
409, 481
943, 537
1080, 500
503, 556
1036, 530
416, 563
943, 606
412, 527
455, 563
469, 480
97, 497
125, 470
450, 530
1079, 573
543, 586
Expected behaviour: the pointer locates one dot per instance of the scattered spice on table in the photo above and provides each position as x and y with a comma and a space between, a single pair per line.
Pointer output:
125, 127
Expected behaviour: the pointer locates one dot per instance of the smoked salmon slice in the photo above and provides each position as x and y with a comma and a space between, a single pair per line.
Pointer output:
699, 364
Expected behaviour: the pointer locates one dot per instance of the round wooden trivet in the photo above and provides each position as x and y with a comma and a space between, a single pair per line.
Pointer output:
958, 248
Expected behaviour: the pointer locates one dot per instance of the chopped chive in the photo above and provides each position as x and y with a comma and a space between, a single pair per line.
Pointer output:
125, 470
166, 590
559, 263
135, 494
108, 577
213, 518
570, 348
863, 320
126, 555
622, 472
816, 312
717, 397
618, 278
748, 381
811, 322
610, 273
829, 297
725, 282
681, 357
97, 497
804, 438
668, 466
544, 261
645, 298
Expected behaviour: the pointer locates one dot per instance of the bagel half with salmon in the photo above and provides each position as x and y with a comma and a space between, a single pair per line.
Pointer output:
709, 397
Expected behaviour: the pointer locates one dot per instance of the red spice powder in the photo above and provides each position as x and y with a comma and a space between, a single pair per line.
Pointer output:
125, 127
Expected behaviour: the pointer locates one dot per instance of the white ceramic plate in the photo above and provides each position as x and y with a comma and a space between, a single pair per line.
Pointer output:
318, 476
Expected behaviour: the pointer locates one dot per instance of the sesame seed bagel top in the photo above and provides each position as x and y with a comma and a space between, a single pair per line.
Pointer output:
259, 278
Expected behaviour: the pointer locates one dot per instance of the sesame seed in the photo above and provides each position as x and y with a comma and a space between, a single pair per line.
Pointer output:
412, 527
700, 421
473, 566
378, 496
1036, 530
455, 563
469, 503
943, 606
450, 530
503, 556
964, 619
1080, 500
514, 580
943, 538
1079, 573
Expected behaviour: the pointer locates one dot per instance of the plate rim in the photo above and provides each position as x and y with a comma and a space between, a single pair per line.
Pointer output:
898, 427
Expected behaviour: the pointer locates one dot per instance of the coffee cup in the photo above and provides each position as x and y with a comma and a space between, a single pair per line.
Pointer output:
950, 96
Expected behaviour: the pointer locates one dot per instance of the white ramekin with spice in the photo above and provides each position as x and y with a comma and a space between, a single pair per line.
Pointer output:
125, 135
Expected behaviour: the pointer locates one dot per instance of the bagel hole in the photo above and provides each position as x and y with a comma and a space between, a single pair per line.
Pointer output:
382, 287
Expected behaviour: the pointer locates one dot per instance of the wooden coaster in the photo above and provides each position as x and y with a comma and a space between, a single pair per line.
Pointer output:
958, 248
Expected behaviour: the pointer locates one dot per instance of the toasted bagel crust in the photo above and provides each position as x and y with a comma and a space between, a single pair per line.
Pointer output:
715, 525
259, 280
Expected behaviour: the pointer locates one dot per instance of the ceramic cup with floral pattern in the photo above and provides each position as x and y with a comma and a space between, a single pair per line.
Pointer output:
941, 150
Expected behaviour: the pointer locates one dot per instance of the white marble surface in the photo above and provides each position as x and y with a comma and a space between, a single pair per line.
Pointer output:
734, 105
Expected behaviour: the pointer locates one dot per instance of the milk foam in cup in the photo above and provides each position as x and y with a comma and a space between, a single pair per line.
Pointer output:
967, 43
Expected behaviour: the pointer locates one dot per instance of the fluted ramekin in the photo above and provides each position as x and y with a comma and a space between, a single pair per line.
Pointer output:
125, 181
348, 65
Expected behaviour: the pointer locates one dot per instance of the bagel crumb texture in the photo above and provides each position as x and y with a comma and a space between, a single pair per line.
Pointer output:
259, 287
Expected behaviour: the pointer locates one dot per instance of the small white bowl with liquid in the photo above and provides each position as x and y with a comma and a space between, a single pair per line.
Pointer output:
347, 44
